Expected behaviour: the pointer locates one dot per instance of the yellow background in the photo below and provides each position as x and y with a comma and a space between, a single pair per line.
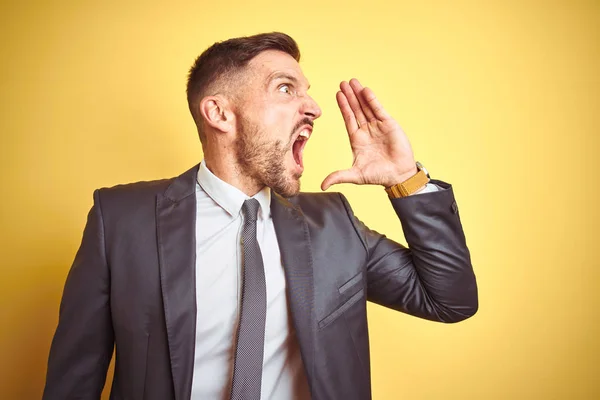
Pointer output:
501, 99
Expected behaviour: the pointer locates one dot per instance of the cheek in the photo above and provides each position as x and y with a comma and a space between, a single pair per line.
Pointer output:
274, 117
278, 125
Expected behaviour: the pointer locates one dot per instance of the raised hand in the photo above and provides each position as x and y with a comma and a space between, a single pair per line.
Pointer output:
381, 150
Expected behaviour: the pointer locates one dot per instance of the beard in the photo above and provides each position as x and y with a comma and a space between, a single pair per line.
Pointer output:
263, 160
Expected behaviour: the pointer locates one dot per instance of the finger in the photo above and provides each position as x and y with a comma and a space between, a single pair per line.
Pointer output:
344, 176
354, 104
347, 114
357, 88
375, 105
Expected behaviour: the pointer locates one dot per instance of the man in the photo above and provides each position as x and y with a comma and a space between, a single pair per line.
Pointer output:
226, 282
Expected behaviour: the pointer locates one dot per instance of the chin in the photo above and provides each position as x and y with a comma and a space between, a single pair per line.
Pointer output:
291, 190
289, 187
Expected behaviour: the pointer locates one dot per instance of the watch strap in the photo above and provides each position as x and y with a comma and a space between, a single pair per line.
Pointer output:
409, 186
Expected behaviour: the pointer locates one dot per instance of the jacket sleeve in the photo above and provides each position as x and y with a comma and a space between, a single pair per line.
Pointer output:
83, 342
433, 277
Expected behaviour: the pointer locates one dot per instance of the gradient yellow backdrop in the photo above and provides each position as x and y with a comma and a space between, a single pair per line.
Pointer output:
501, 99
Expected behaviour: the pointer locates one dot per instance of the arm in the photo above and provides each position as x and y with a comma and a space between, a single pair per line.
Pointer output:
83, 343
433, 278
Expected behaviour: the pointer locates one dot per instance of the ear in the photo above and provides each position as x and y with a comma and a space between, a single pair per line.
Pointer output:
217, 113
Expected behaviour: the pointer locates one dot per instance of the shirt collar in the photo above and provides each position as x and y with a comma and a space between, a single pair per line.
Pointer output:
229, 197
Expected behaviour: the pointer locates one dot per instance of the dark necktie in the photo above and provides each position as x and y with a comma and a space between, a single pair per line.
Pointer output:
247, 368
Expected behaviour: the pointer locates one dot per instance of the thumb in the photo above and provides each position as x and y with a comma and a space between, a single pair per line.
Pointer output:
344, 176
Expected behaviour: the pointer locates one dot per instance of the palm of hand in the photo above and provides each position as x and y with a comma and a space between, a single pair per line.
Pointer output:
381, 150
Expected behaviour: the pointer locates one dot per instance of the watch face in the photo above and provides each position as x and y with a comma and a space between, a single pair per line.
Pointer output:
420, 167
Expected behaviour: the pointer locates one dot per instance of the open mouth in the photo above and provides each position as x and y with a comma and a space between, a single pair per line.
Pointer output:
298, 146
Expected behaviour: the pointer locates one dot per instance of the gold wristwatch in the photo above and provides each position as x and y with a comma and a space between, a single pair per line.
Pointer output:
411, 185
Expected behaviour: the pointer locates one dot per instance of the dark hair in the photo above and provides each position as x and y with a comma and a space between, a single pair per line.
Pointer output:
223, 59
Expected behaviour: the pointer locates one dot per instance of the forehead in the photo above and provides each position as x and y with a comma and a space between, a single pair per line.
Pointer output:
271, 64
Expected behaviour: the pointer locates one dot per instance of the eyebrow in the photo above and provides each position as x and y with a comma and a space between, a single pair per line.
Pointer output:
283, 75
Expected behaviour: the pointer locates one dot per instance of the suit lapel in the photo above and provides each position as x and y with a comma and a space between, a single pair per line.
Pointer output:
296, 254
176, 235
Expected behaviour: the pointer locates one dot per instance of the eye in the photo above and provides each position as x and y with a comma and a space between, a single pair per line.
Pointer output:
285, 88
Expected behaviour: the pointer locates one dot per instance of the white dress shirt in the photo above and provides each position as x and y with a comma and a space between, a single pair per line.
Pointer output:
218, 296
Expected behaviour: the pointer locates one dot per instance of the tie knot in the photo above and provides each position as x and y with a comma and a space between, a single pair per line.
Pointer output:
250, 209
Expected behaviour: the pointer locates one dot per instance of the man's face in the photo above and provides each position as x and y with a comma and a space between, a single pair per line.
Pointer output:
275, 119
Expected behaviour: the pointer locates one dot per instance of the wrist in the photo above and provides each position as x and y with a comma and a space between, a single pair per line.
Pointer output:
409, 182
402, 177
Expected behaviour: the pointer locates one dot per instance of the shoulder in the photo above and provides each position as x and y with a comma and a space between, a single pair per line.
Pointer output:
319, 203
316, 199
139, 193
130, 204
131, 194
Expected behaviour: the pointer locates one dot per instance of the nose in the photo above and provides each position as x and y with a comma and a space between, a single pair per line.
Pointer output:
311, 108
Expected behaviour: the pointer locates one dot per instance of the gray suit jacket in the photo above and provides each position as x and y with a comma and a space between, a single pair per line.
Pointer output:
132, 284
